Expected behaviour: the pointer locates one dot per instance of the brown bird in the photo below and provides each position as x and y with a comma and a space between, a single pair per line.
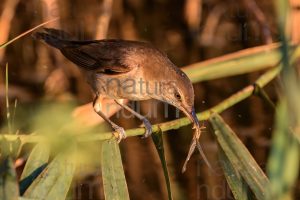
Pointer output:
120, 69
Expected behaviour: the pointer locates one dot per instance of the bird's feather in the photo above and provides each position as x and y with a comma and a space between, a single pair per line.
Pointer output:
102, 55
95, 56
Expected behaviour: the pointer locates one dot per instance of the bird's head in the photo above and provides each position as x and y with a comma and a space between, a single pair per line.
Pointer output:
179, 92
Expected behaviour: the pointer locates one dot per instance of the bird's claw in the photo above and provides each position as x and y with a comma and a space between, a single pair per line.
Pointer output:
147, 125
121, 134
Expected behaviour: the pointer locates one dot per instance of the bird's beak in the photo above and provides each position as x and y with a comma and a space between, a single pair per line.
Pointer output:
191, 114
192, 117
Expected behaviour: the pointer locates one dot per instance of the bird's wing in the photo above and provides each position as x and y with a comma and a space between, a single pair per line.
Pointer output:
96, 55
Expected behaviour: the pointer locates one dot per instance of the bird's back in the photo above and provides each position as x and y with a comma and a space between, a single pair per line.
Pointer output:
112, 57
121, 55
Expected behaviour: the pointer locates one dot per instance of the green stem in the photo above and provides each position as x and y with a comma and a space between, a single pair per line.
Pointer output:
260, 92
7, 101
241, 62
170, 125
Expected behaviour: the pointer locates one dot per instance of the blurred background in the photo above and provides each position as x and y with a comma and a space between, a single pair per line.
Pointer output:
188, 31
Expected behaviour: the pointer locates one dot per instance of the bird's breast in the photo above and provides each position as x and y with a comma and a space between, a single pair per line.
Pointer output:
131, 85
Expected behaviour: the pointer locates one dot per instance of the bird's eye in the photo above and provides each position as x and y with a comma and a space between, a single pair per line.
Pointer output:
178, 97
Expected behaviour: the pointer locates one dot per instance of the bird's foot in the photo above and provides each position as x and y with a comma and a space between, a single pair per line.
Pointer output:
120, 133
148, 126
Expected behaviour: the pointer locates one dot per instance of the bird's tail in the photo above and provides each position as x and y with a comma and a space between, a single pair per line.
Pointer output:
53, 37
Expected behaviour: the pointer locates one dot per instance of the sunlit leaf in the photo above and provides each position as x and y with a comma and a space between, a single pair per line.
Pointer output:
35, 164
56, 179
114, 183
241, 62
38, 157
63, 182
234, 179
239, 156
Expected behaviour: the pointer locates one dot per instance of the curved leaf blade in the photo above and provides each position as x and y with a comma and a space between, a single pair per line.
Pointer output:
240, 157
38, 157
114, 182
55, 181
234, 179
159, 145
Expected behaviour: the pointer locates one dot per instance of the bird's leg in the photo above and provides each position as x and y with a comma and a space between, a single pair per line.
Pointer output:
97, 104
146, 122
